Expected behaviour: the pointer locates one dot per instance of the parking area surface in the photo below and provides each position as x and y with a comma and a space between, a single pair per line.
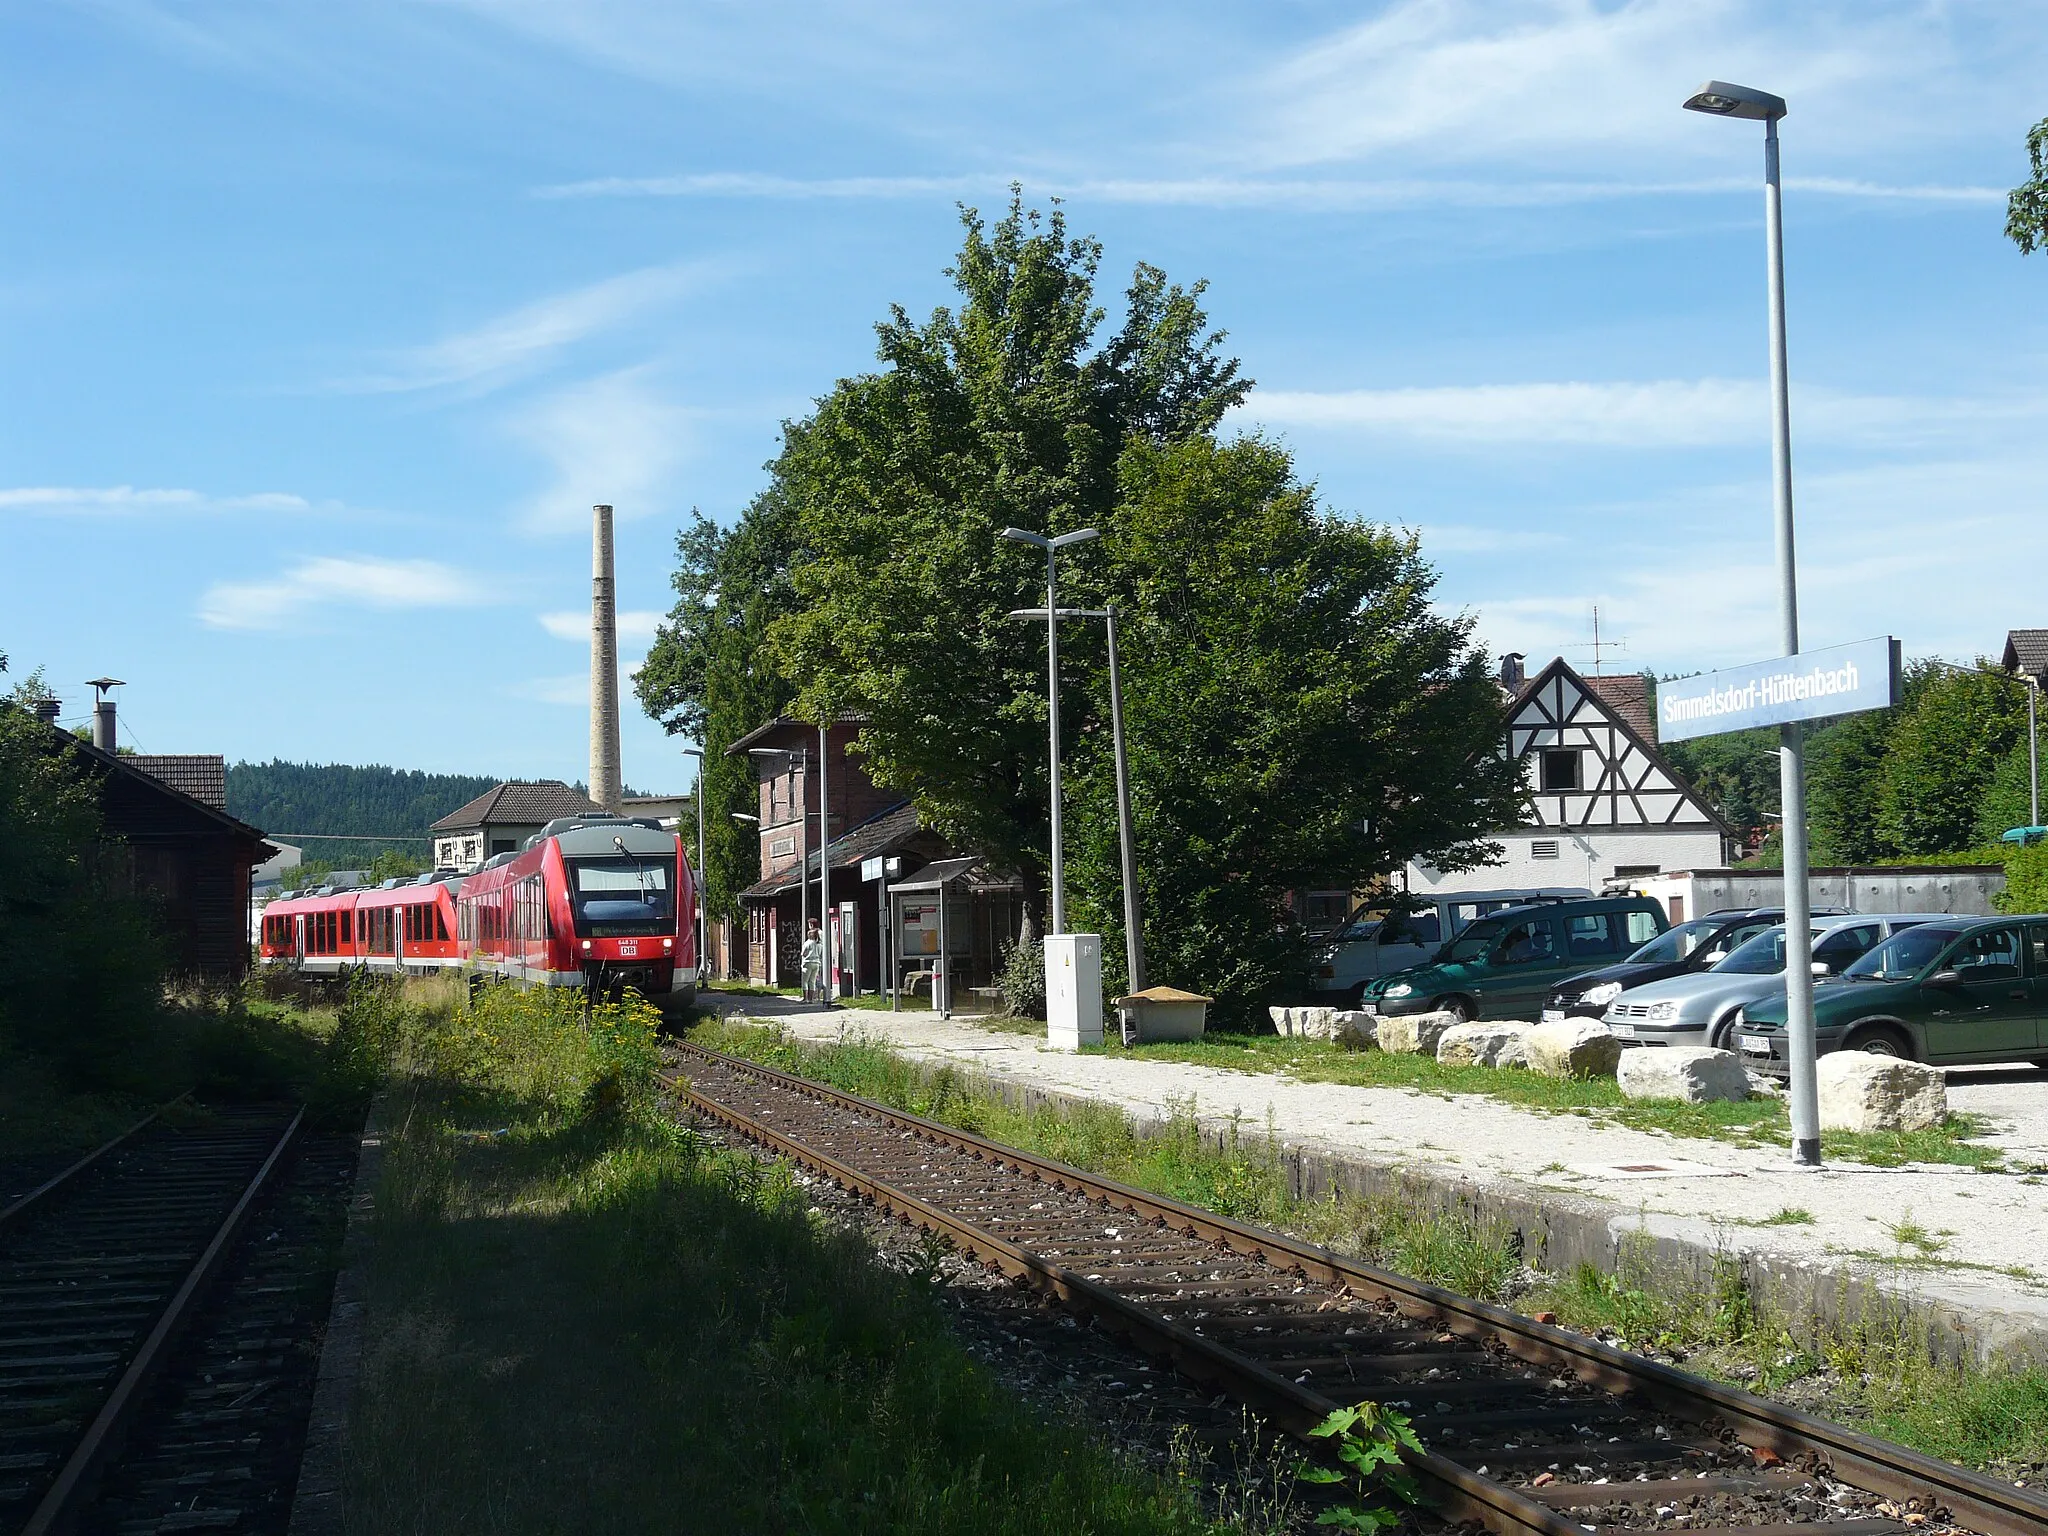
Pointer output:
1988, 1231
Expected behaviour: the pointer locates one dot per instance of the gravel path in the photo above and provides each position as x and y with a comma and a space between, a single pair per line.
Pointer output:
1992, 1228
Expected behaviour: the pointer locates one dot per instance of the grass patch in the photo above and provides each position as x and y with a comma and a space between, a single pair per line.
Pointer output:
1876, 1374
1753, 1122
221, 1045
584, 1318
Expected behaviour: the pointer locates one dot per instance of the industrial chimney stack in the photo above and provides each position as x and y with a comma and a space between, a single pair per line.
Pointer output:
604, 667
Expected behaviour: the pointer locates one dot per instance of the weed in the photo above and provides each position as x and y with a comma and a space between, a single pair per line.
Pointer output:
1368, 1440
1908, 1233
1788, 1216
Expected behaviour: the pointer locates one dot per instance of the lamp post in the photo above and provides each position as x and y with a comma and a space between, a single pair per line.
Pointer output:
1052, 547
703, 920
1719, 99
1134, 938
802, 758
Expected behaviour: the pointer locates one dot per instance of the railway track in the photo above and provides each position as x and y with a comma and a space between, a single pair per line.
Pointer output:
1528, 1428
101, 1269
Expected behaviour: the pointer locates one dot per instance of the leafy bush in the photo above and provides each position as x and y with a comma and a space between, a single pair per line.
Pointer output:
2026, 880
1021, 981
81, 969
546, 1048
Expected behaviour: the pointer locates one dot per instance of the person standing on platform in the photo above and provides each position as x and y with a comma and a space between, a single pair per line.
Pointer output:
813, 965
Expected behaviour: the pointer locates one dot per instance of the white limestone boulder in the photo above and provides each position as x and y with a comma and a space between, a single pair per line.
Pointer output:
1573, 1048
1501, 1044
1695, 1074
1863, 1092
1349, 1026
1307, 1023
1413, 1034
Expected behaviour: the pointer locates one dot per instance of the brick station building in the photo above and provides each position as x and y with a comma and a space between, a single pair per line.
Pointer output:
982, 908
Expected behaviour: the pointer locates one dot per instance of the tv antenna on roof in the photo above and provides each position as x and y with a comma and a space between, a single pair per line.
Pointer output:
1598, 646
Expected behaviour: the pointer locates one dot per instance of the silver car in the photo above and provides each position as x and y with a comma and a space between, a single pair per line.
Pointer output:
1700, 1008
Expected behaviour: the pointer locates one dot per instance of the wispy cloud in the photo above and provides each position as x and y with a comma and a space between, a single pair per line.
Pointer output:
610, 439
126, 499
523, 339
327, 581
563, 688
1330, 194
1551, 83
1660, 413
636, 625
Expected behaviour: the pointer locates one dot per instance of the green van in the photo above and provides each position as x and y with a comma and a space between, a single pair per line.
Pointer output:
1506, 964
1949, 991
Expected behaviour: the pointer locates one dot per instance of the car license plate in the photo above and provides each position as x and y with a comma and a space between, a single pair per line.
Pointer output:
1553, 1016
629, 947
1755, 1045
1622, 1031
1365, 1007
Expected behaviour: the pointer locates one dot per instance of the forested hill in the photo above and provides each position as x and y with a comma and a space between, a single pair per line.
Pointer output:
337, 798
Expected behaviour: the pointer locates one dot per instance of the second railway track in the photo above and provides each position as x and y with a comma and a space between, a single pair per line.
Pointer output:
99, 1270
1529, 1428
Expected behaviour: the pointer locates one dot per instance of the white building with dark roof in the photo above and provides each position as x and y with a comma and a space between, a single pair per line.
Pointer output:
499, 820
1605, 804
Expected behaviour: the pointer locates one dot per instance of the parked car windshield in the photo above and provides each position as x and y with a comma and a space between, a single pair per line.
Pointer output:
1763, 955
1474, 942
1906, 953
1676, 943
1364, 928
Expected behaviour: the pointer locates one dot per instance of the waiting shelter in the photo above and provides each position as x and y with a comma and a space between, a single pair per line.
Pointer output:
954, 921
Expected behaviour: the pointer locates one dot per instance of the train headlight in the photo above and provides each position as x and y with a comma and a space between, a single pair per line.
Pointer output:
586, 944
668, 943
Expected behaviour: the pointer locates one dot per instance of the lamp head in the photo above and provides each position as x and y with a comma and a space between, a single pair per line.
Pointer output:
1025, 536
1078, 536
1718, 98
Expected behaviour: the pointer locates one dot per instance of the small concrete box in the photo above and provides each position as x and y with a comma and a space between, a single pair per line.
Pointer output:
1163, 1013
1073, 990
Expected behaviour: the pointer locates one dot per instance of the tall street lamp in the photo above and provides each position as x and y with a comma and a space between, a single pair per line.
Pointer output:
703, 921
1719, 99
1134, 938
1052, 547
802, 758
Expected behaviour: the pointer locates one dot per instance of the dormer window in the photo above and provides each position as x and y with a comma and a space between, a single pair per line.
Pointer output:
1558, 770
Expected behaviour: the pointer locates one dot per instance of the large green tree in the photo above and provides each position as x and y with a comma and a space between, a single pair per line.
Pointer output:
706, 679
1942, 757
2026, 211
1299, 713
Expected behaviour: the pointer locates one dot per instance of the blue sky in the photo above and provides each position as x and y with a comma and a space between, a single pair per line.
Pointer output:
325, 325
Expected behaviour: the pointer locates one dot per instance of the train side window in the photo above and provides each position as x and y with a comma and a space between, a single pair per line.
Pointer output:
440, 926
345, 925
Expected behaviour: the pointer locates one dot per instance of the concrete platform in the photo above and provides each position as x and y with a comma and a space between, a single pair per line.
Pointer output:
1579, 1190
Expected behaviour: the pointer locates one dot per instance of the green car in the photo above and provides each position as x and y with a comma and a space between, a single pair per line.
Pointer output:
1949, 991
1504, 965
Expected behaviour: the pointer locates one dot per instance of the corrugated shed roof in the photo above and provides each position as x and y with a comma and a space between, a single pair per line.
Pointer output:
203, 776
1628, 695
519, 803
2026, 650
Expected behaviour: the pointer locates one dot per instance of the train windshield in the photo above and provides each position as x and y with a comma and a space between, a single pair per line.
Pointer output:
621, 895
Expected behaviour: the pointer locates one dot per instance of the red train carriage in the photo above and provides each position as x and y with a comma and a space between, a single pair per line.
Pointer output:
390, 928
597, 901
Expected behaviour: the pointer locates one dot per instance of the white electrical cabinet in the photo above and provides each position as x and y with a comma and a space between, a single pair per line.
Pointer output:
1073, 990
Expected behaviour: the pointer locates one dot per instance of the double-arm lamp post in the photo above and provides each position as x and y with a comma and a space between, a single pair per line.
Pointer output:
1134, 939
1052, 547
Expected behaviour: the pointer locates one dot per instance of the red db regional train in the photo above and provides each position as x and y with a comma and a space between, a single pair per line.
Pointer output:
597, 901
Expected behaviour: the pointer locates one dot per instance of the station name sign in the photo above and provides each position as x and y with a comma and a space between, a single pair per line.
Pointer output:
1810, 686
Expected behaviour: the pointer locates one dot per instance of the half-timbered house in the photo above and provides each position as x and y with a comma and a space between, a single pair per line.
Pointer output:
1606, 805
